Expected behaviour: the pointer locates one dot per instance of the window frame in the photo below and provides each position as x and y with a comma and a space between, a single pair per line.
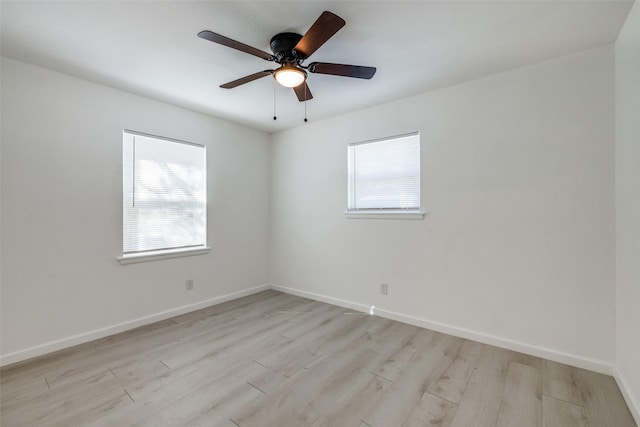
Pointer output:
166, 253
380, 213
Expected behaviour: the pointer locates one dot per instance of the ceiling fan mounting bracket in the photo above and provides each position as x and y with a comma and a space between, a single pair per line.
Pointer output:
282, 45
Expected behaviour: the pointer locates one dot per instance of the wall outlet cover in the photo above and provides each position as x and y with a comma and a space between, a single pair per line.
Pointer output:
384, 288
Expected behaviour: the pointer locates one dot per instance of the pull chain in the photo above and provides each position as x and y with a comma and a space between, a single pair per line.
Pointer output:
305, 102
274, 100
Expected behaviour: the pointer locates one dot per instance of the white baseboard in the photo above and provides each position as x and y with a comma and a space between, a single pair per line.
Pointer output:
557, 356
546, 353
632, 401
321, 298
51, 346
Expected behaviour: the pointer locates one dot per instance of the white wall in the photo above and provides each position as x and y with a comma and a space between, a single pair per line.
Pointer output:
62, 212
628, 208
518, 180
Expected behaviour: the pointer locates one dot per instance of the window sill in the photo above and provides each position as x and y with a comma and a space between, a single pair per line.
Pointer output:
384, 215
159, 255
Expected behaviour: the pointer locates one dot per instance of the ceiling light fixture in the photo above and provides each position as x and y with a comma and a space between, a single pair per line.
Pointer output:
289, 75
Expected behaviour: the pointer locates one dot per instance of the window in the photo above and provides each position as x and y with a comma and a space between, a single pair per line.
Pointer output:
164, 196
384, 176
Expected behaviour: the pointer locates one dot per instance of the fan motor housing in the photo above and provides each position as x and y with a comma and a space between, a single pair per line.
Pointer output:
282, 45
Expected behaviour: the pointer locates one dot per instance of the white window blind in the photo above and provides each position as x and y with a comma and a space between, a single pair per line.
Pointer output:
164, 194
384, 175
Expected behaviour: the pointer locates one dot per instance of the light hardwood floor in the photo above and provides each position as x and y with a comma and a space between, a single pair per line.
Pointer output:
273, 359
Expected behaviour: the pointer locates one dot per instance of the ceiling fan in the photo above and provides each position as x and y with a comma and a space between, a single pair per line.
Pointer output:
290, 50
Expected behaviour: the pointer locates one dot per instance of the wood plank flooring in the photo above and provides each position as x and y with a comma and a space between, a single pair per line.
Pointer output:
273, 359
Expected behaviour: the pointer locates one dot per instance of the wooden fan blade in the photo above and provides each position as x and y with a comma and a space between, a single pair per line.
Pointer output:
356, 71
226, 41
246, 79
322, 30
302, 92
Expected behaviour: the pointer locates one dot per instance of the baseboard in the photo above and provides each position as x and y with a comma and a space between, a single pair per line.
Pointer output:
51, 346
546, 353
557, 356
321, 298
632, 401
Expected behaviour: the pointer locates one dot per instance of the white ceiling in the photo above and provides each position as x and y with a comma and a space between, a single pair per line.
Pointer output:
151, 47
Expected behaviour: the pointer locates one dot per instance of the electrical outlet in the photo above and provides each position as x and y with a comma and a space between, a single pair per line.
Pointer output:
189, 284
384, 288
